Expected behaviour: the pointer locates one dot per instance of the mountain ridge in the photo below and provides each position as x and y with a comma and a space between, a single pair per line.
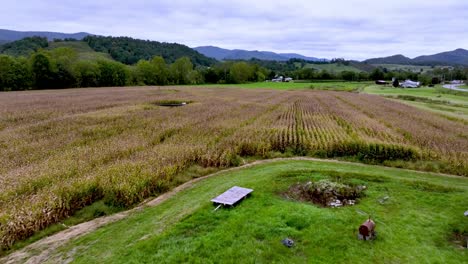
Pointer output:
240, 54
7, 35
455, 57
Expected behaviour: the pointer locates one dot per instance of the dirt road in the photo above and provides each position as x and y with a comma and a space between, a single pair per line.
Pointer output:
455, 87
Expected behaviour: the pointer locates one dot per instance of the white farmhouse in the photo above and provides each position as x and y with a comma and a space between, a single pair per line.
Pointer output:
410, 84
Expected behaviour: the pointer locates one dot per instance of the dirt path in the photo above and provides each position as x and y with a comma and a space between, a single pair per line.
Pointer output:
42, 250
455, 87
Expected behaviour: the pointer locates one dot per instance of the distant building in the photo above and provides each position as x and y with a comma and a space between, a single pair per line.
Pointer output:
278, 79
282, 79
410, 84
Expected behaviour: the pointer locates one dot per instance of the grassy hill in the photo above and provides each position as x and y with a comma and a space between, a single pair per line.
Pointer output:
333, 67
405, 67
413, 222
125, 50
84, 51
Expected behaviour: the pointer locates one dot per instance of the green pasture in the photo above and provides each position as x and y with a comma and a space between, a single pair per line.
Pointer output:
319, 85
84, 51
416, 223
437, 99
333, 67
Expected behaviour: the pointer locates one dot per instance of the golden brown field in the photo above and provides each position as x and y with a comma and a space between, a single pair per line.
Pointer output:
63, 150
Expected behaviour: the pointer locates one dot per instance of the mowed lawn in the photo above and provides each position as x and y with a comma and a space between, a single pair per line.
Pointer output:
415, 224
437, 99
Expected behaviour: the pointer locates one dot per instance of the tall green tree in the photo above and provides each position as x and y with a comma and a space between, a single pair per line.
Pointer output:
348, 75
153, 72
42, 70
377, 74
241, 72
88, 73
160, 69
64, 59
180, 71
112, 73
145, 73
15, 74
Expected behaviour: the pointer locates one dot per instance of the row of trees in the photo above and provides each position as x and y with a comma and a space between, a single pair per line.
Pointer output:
427, 77
62, 68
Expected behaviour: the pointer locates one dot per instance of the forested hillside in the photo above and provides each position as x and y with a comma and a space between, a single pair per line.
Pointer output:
130, 51
24, 46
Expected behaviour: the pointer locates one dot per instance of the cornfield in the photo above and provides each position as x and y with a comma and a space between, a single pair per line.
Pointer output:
63, 150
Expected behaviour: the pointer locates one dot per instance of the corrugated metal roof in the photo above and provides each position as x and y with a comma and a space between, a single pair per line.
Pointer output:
232, 195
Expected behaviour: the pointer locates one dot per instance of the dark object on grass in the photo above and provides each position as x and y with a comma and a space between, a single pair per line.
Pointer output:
287, 242
367, 230
171, 103
395, 83
381, 82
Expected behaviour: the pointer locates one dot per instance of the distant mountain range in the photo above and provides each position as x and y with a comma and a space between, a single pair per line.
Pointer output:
455, 57
238, 54
458, 57
11, 35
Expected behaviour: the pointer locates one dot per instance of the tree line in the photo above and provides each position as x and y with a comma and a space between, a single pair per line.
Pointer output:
62, 68
38, 68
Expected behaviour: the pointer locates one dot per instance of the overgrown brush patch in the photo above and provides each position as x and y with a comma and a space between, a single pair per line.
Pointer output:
326, 193
64, 150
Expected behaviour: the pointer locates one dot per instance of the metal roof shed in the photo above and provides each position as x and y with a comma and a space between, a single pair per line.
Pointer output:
232, 196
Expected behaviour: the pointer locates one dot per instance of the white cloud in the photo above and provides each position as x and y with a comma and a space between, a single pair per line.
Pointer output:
355, 29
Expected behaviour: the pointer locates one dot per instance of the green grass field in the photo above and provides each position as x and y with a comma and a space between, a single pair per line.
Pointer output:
412, 68
319, 85
415, 225
437, 99
333, 67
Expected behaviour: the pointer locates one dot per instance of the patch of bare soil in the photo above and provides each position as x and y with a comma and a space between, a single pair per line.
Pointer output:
460, 239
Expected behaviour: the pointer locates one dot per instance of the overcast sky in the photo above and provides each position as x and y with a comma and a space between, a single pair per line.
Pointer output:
353, 29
